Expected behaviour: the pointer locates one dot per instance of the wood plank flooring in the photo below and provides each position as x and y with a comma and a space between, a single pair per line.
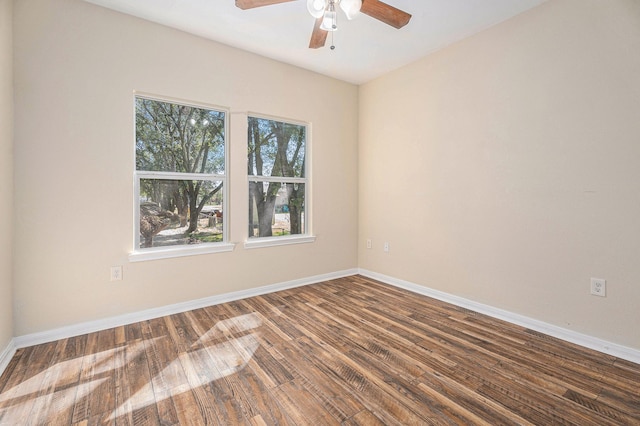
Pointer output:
350, 351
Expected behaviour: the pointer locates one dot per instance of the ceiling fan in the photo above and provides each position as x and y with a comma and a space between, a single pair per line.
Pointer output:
326, 16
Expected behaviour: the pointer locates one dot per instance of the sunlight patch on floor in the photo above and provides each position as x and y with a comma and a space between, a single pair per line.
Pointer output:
17, 402
200, 367
223, 350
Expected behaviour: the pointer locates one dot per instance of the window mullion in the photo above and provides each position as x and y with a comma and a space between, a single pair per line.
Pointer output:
277, 179
178, 176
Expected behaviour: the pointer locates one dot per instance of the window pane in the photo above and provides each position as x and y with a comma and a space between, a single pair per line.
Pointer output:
276, 148
276, 209
179, 138
178, 212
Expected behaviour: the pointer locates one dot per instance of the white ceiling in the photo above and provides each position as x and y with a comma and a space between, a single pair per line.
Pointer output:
365, 47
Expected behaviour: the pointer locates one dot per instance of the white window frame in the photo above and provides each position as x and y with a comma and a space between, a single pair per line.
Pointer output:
152, 253
307, 237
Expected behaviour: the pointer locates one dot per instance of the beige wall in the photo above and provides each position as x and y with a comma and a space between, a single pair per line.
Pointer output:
506, 168
6, 173
76, 68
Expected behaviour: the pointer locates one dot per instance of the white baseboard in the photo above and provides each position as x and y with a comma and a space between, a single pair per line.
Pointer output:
587, 341
106, 323
6, 355
590, 342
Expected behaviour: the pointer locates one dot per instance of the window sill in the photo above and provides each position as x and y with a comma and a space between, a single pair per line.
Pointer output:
170, 252
278, 241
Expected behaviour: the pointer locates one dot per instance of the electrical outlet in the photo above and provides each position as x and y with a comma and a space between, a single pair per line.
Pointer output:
386, 246
116, 273
369, 243
598, 287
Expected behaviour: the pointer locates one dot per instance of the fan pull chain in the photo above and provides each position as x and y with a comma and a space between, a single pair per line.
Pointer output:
335, 27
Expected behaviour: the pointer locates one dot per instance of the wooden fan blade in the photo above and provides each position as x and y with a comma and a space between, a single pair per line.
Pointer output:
250, 4
318, 36
385, 13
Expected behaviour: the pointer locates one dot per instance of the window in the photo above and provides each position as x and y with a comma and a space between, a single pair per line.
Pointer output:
180, 180
278, 181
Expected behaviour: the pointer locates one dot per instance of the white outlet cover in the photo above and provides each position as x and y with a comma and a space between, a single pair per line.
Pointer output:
116, 273
598, 287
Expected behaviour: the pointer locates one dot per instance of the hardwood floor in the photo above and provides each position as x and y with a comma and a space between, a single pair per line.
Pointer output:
350, 351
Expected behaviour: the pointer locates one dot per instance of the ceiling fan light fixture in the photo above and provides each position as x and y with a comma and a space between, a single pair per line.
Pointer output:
316, 8
330, 18
351, 8
329, 21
